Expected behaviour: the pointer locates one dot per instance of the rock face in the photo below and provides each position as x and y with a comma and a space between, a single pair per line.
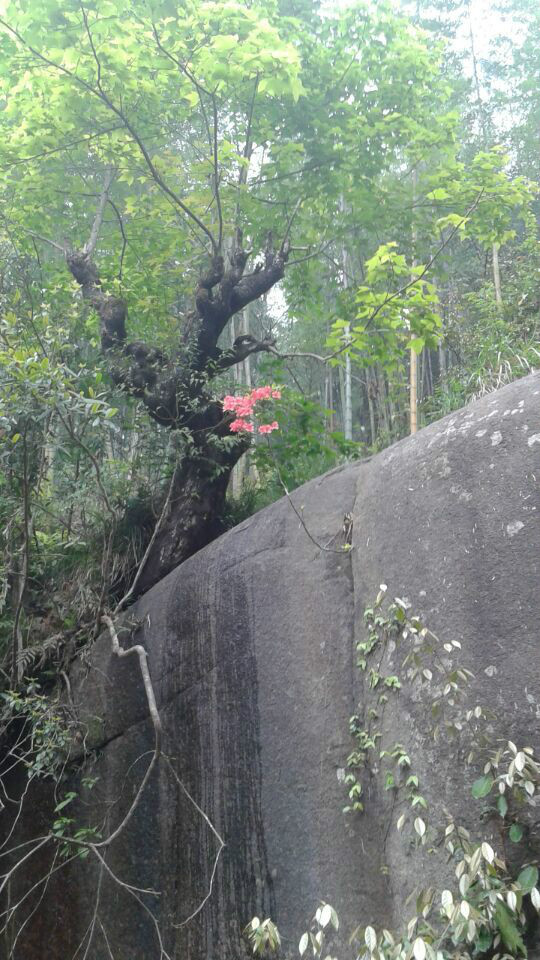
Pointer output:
251, 648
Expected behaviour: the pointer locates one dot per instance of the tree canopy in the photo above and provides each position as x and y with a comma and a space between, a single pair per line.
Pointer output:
204, 197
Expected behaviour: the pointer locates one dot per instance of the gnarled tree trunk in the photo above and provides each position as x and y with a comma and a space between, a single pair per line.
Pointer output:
192, 513
175, 391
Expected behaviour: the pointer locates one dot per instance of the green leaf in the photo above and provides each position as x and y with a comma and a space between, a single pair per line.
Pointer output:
528, 878
482, 787
509, 930
438, 194
515, 833
68, 799
483, 940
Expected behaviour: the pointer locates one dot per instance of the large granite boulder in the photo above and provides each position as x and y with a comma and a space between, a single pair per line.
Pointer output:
251, 648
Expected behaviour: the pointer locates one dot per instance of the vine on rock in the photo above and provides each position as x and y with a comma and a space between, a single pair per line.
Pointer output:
492, 908
427, 665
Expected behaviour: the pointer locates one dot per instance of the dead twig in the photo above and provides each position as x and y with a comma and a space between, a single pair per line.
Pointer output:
120, 606
220, 840
136, 650
320, 546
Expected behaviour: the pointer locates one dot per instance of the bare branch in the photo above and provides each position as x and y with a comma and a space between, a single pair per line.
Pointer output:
138, 651
124, 237
90, 245
106, 939
320, 546
92, 925
131, 891
38, 236
191, 77
60, 149
120, 606
38, 845
242, 179
311, 256
284, 242
20, 804
218, 837
93, 460
216, 171
307, 355
121, 883
243, 347
11, 910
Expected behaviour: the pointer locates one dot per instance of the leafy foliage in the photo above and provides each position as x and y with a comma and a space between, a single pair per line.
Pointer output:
345, 134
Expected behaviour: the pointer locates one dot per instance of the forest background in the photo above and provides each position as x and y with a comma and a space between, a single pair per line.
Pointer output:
348, 195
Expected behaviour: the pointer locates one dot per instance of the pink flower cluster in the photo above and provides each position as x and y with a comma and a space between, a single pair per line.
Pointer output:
243, 407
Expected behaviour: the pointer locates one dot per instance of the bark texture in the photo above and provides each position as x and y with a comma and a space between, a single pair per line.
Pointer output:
175, 388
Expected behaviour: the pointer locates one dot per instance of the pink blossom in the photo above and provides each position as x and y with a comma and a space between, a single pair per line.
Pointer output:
237, 426
243, 407
261, 393
268, 427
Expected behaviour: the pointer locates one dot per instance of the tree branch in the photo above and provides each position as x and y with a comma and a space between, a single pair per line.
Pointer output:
234, 291
138, 651
390, 297
100, 94
124, 237
112, 311
216, 171
212, 135
430, 262
38, 236
299, 513
243, 347
90, 245
290, 221
256, 284
242, 179
122, 603
64, 146
218, 837
313, 255
192, 79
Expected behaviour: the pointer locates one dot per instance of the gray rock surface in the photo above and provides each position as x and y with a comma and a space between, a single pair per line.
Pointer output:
251, 647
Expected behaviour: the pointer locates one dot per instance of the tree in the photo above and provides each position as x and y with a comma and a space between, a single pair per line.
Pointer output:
199, 126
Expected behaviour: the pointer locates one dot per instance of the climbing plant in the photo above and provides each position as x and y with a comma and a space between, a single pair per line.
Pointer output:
491, 910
